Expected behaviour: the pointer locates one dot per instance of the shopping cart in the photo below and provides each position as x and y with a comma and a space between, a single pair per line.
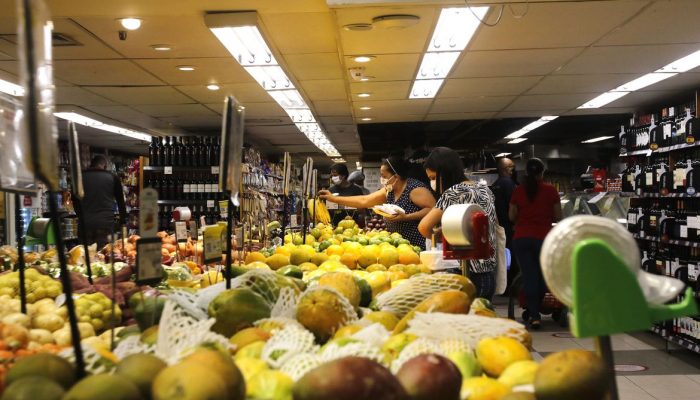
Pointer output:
550, 304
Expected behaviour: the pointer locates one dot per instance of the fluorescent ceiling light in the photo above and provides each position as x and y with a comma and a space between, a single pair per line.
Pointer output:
455, 28
131, 24
437, 65
270, 77
516, 141
684, 64
365, 108
363, 59
93, 123
239, 33
363, 95
358, 165
603, 99
366, 119
598, 139
643, 81
213, 86
338, 160
185, 68
161, 47
425, 88
502, 154
11, 88
532, 126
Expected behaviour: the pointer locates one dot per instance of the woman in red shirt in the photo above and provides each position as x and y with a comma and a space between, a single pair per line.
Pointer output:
534, 206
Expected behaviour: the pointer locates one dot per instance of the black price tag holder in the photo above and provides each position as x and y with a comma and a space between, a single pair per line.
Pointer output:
149, 267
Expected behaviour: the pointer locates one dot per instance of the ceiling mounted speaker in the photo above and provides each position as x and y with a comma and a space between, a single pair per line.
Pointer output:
396, 21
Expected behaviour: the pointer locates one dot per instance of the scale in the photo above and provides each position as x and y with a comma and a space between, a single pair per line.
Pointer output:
592, 265
465, 234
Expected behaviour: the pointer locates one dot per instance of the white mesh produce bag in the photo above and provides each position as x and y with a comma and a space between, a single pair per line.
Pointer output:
414, 349
467, 328
375, 334
333, 351
94, 362
189, 302
281, 321
286, 343
179, 334
299, 364
401, 299
286, 304
453, 345
132, 345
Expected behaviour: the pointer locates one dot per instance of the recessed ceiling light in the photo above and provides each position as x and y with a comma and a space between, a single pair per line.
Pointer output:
363, 95
366, 119
131, 24
365, 108
364, 59
161, 47
213, 87
397, 21
358, 27
185, 68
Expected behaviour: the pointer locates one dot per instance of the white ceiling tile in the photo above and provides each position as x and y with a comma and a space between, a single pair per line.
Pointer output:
502, 86
626, 59
458, 116
243, 92
176, 110
381, 90
393, 118
331, 107
499, 63
681, 82
125, 116
389, 67
303, 67
104, 73
530, 114
638, 99
301, 33
195, 122
79, 97
325, 89
599, 111
593, 83
207, 70
470, 104
328, 121
549, 101
142, 95
388, 107
554, 24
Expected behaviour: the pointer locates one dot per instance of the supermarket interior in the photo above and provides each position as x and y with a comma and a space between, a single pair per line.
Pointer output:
350, 199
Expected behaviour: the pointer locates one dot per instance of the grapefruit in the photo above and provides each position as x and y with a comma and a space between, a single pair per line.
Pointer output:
277, 261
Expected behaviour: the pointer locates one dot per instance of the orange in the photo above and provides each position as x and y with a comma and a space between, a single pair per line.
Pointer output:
349, 260
335, 249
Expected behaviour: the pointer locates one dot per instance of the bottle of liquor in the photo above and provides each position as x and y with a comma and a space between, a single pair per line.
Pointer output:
203, 153
179, 188
655, 135
185, 187
201, 195
160, 153
176, 152
153, 151
217, 152
622, 137
195, 152
167, 153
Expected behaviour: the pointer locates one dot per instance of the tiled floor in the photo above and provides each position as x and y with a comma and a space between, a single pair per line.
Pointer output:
673, 375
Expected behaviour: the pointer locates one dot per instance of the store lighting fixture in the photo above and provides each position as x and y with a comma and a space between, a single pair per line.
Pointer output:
365, 108
11, 88
453, 32
502, 155
131, 24
364, 59
358, 165
93, 123
531, 126
363, 95
338, 160
185, 68
366, 119
241, 36
213, 87
683, 64
366, 78
161, 47
516, 141
598, 139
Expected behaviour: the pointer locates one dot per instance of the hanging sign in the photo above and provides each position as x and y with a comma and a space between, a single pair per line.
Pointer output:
149, 268
213, 245
148, 213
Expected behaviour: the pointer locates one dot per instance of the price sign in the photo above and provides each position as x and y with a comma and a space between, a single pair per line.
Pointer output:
210, 203
168, 170
148, 213
149, 268
293, 220
181, 231
215, 170
223, 208
213, 245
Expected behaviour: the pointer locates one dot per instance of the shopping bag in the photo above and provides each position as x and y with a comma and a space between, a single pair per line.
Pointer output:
501, 261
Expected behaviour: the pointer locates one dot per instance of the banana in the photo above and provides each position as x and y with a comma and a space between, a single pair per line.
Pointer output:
322, 214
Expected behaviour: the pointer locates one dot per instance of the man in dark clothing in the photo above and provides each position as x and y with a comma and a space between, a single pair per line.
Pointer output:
358, 178
102, 189
502, 190
342, 187
419, 152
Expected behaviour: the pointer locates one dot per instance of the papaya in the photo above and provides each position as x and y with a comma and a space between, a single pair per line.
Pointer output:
34, 387
322, 312
236, 309
104, 386
365, 292
344, 284
291, 271
447, 301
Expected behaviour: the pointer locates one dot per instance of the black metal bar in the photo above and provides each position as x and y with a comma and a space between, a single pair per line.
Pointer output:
83, 237
67, 287
114, 294
229, 244
603, 347
284, 216
19, 230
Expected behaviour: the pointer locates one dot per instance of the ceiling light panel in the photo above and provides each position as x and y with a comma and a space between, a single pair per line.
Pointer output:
603, 99
598, 139
516, 141
93, 123
11, 88
532, 126
240, 34
684, 64
502, 154
437, 65
425, 89
643, 81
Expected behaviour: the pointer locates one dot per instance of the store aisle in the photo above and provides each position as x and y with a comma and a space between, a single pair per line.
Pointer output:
645, 370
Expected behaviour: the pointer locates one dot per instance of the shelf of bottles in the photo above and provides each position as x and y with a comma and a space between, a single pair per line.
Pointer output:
130, 183
662, 173
185, 172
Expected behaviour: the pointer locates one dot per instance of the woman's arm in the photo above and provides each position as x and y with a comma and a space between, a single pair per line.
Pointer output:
422, 198
430, 221
512, 212
364, 201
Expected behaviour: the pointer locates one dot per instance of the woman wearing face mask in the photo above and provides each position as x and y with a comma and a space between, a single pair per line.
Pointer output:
446, 172
411, 195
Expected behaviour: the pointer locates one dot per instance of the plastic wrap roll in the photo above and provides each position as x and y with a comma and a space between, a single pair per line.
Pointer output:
457, 223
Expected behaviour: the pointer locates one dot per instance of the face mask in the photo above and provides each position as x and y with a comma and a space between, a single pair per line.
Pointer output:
335, 179
433, 185
385, 182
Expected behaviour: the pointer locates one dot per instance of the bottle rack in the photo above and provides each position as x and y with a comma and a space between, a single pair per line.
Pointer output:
663, 176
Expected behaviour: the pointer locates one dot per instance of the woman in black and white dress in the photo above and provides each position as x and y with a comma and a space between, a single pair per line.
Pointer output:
446, 172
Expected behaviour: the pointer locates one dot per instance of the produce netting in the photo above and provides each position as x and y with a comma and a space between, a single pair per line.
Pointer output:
401, 299
95, 363
286, 343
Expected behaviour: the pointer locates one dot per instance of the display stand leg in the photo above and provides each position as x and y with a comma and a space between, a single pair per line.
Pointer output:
83, 238
112, 297
284, 216
603, 348
229, 245
303, 221
315, 217
67, 288
20, 255
464, 266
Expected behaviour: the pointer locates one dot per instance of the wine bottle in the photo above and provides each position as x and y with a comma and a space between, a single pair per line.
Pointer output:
153, 151
203, 157
201, 188
176, 152
217, 152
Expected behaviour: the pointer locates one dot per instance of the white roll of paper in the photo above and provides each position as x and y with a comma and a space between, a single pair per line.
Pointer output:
457, 223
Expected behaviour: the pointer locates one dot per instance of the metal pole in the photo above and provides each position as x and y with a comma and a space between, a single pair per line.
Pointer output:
603, 348
67, 287
229, 245
20, 254
83, 237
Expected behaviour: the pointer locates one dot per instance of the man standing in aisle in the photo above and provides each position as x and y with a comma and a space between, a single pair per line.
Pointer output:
342, 187
502, 190
102, 189
358, 178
